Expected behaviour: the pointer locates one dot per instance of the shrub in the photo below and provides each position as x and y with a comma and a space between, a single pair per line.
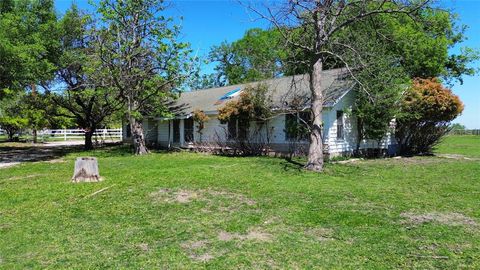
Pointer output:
426, 110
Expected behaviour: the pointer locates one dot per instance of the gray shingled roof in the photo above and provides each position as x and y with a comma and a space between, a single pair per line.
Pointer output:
281, 91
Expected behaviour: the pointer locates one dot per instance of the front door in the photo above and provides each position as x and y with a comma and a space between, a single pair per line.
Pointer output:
176, 130
188, 130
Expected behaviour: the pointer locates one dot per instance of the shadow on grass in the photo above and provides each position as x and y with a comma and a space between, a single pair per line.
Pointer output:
24, 152
10, 153
291, 164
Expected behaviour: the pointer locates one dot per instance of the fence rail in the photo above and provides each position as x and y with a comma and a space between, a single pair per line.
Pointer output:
465, 132
71, 134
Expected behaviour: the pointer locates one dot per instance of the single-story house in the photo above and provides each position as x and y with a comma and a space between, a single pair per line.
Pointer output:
339, 128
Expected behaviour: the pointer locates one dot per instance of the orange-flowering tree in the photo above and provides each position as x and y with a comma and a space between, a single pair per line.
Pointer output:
200, 118
426, 111
254, 104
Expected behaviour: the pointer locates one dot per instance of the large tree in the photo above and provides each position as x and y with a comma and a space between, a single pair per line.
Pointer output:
141, 58
84, 95
314, 27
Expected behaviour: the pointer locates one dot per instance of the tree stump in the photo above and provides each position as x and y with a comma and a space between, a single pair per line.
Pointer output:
86, 170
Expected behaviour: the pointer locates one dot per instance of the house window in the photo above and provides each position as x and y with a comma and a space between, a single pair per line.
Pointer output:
340, 127
232, 129
238, 129
242, 131
188, 130
176, 130
297, 126
129, 131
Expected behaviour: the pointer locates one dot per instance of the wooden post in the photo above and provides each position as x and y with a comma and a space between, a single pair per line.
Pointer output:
86, 170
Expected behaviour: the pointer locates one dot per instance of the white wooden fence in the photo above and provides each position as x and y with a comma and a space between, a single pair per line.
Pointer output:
79, 134
465, 132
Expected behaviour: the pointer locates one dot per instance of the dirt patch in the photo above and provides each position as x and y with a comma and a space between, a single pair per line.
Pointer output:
213, 198
194, 244
406, 161
196, 250
320, 234
179, 196
253, 235
232, 196
58, 160
185, 196
202, 257
346, 161
456, 157
143, 247
452, 219
8, 164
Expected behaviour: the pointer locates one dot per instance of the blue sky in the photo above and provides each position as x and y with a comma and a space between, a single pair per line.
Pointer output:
208, 23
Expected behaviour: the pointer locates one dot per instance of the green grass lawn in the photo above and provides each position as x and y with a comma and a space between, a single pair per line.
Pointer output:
467, 145
184, 210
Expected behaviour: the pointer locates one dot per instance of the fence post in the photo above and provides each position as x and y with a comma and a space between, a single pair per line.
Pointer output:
64, 134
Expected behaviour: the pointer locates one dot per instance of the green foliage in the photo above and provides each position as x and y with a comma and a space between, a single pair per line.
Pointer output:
376, 102
28, 43
20, 111
42, 112
12, 116
422, 45
205, 81
257, 55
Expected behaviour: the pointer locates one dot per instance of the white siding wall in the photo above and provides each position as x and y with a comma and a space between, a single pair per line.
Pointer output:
162, 133
150, 127
349, 141
213, 130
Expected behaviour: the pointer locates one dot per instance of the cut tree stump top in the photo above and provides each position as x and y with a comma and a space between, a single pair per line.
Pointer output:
86, 170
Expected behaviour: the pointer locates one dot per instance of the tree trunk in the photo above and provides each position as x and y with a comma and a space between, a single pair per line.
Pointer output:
88, 139
10, 134
315, 151
34, 135
34, 95
359, 135
86, 170
138, 137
